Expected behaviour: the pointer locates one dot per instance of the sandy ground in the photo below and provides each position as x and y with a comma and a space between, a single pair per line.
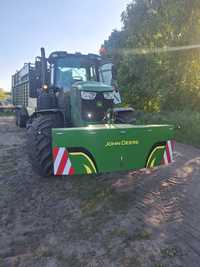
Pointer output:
126, 219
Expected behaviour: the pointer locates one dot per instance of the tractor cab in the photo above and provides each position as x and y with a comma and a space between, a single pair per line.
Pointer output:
78, 79
67, 69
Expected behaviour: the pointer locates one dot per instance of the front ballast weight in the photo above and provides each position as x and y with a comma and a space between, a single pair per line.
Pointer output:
111, 148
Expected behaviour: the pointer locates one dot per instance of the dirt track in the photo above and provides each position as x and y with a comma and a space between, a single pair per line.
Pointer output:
128, 219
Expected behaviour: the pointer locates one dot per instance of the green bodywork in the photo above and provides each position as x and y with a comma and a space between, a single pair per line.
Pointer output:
75, 99
108, 148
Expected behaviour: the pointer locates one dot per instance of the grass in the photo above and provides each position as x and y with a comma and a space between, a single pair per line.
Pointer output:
44, 252
122, 233
169, 252
99, 203
187, 124
144, 235
158, 265
72, 260
97, 196
7, 114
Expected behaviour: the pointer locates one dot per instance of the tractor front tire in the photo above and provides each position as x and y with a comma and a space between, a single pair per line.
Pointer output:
39, 143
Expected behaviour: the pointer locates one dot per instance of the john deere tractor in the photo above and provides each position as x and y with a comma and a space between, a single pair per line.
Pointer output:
73, 125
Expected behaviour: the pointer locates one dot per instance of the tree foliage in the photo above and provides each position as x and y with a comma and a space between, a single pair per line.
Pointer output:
151, 79
2, 94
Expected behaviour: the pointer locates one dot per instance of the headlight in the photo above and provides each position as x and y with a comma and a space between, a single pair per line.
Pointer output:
89, 115
88, 95
108, 95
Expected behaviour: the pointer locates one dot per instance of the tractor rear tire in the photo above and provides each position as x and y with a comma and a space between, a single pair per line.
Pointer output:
39, 143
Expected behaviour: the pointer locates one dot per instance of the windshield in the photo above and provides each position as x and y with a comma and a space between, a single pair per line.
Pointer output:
73, 69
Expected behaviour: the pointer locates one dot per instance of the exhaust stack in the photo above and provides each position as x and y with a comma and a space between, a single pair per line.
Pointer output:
44, 66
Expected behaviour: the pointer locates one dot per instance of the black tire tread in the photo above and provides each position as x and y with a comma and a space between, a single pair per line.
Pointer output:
39, 143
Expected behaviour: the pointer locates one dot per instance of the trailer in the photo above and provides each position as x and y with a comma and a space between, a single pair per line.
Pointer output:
23, 98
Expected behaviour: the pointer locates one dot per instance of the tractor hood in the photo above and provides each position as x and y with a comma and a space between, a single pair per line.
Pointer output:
93, 86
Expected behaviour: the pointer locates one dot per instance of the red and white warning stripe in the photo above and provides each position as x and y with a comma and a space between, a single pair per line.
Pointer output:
168, 154
62, 163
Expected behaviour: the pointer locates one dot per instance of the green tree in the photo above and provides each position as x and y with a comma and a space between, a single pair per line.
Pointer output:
153, 80
2, 94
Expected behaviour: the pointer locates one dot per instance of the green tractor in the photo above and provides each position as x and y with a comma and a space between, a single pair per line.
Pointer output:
73, 125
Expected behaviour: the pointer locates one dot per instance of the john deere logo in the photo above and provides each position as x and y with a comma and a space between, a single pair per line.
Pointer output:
122, 143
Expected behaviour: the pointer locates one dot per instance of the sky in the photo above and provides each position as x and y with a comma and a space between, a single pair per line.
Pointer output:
69, 25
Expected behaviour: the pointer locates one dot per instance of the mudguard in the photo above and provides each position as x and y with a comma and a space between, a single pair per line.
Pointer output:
108, 148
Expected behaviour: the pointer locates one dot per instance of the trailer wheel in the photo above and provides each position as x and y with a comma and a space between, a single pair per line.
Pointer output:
16, 117
39, 143
21, 118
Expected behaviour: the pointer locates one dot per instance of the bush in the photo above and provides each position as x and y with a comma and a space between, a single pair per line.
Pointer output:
187, 124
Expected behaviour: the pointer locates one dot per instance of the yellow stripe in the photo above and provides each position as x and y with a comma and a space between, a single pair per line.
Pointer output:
88, 170
150, 157
85, 156
153, 163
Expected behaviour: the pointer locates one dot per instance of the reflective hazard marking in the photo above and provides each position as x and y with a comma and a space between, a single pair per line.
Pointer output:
168, 154
62, 163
